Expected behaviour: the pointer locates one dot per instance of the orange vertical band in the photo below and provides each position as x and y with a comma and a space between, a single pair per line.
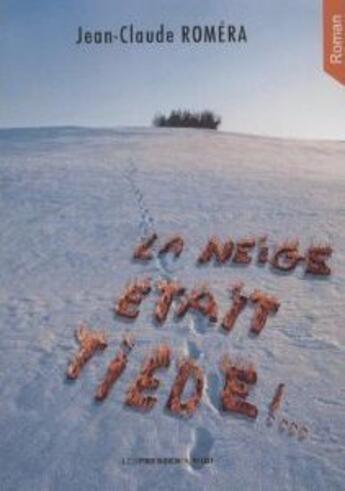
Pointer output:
334, 38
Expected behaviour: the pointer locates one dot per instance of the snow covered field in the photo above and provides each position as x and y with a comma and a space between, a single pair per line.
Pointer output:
74, 203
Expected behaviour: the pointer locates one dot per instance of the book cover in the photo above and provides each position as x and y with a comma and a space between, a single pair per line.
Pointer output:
172, 256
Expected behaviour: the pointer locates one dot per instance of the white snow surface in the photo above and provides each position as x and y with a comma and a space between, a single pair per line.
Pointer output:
74, 203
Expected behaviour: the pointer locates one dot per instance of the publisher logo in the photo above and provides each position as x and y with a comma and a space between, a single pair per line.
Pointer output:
334, 38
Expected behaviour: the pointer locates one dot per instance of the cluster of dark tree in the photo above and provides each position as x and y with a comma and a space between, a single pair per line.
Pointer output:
188, 119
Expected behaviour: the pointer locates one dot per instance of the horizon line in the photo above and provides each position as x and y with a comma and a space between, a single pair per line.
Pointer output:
151, 127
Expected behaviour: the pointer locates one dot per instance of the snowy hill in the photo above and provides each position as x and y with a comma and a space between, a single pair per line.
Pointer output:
74, 203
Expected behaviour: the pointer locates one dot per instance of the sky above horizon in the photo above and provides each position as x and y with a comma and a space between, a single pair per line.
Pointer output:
273, 85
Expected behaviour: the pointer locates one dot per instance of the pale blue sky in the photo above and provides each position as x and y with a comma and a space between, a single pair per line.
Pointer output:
274, 85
